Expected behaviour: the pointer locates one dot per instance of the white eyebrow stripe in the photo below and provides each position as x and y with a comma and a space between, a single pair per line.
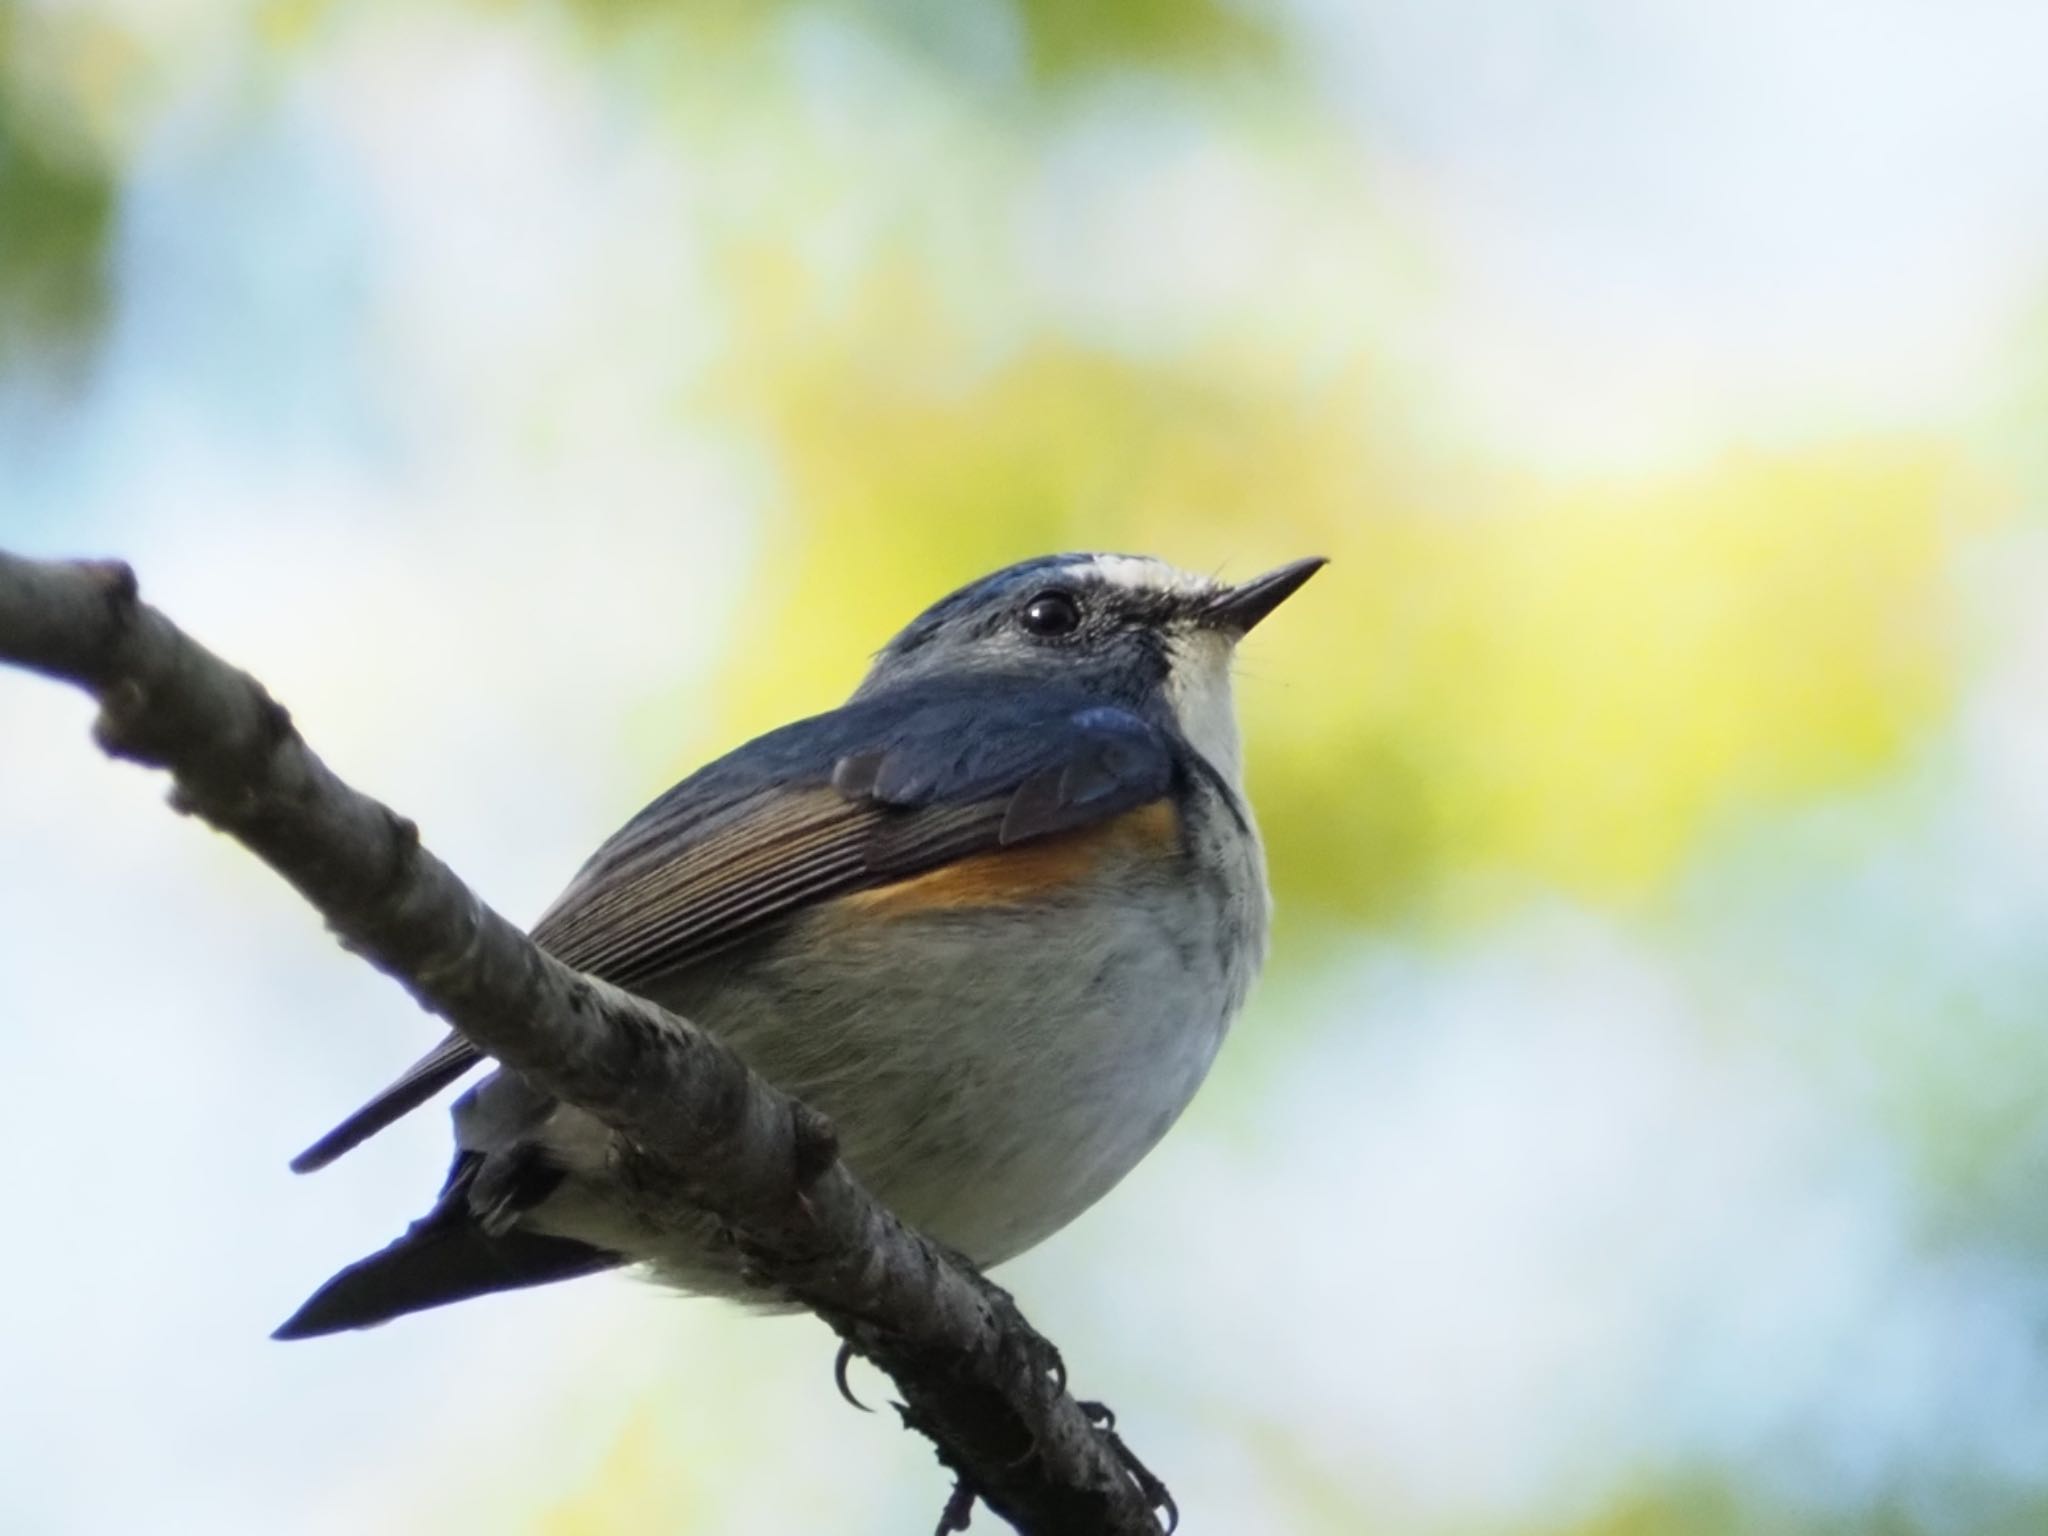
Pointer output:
1142, 573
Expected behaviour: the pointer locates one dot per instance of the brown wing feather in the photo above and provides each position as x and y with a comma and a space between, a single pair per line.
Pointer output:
790, 849
630, 924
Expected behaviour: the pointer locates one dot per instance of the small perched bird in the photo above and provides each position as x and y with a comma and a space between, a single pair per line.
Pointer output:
993, 916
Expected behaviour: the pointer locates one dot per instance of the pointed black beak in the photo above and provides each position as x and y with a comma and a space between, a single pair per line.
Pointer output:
1240, 607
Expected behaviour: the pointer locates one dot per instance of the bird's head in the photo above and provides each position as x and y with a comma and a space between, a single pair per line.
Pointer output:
1124, 628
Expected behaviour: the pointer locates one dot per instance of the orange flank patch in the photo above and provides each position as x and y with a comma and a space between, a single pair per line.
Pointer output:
1011, 876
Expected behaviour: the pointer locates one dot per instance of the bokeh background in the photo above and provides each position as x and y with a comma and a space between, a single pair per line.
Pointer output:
1643, 1125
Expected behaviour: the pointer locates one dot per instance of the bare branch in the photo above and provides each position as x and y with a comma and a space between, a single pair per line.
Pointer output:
697, 1129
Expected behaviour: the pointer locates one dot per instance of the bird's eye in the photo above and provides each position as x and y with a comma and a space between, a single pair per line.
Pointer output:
1051, 613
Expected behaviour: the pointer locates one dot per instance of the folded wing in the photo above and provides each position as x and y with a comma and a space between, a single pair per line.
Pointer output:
884, 789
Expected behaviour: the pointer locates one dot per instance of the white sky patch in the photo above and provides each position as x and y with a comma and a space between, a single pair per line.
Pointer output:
2006, 720
1158, 229
1654, 224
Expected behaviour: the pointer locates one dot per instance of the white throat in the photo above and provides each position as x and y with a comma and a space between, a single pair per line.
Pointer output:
1198, 688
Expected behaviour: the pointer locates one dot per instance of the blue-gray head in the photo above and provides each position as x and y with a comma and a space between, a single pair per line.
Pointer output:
1123, 627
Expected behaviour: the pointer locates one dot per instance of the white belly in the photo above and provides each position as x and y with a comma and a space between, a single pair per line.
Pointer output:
992, 1073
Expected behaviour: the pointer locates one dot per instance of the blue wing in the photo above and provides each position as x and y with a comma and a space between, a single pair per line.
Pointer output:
887, 787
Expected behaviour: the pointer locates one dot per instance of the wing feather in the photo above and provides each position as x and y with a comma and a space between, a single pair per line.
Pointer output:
420, 1082
877, 792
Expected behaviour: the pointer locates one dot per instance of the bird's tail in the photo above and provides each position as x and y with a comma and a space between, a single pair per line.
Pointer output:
443, 1257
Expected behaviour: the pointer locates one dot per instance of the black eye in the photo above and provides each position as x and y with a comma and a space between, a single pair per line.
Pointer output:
1051, 613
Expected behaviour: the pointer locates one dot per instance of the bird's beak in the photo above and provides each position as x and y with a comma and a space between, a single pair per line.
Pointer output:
1236, 609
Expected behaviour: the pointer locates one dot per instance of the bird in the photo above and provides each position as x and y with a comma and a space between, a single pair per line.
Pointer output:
993, 916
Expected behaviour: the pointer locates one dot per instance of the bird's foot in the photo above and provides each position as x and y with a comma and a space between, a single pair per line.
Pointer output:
1156, 1494
839, 1365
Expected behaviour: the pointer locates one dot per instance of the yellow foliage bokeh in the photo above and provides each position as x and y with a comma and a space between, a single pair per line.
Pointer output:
1502, 683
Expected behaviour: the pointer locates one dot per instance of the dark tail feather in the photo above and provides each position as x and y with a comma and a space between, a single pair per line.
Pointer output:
419, 1083
438, 1261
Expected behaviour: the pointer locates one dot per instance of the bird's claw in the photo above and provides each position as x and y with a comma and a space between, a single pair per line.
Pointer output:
1055, 1367
1155, 1493
839, 1365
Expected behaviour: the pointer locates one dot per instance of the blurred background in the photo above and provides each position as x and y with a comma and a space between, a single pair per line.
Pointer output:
1643, 1124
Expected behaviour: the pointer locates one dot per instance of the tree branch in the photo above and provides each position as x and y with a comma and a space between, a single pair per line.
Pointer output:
696, 1130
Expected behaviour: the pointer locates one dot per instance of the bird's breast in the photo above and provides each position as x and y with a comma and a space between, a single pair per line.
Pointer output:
1001, 1040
